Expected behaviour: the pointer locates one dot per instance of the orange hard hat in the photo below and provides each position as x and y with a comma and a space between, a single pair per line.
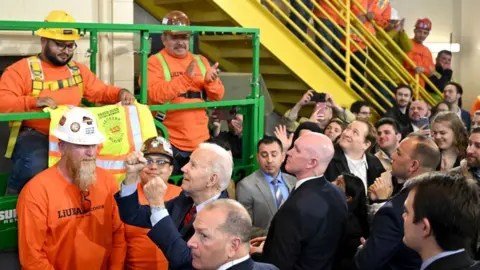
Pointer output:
177, 18
424, 23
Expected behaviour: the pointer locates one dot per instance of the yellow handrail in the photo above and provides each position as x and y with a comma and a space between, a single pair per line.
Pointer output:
374, 47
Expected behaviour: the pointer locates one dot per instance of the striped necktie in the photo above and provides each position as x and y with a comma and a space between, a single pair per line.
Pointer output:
277, 192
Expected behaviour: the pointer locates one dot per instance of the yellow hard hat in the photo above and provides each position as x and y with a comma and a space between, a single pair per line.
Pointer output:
65, 34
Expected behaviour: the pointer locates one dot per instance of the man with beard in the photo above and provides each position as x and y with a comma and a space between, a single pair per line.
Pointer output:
420, 54
452, 95
67, 215
49, 79
175, 75
470, 167
417, 112
388, 138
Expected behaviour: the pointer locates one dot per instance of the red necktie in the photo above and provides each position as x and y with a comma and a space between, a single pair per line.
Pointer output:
189, 215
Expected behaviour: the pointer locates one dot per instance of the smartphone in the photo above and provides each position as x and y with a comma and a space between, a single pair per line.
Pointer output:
424, 123
225, 113
320, 107
318, 97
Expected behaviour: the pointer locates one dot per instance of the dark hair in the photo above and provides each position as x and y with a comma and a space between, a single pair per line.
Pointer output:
357, 105
220, 142
401, 86
371, 135
313, 127
459, 89
388, 121
475, 130
450, 203
269, 140
426, 151
460, 133
447, 52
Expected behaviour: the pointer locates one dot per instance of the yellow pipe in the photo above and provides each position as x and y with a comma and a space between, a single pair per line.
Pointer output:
348, 47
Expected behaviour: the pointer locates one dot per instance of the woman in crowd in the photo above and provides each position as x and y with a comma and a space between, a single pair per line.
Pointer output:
334, 128
451, 137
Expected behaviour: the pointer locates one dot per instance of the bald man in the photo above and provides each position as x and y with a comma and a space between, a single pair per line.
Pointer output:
307, 229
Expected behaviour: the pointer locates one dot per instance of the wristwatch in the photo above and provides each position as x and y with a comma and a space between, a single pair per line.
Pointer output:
155, 209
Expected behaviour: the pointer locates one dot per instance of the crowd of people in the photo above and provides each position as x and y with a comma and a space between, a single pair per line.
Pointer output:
332, 191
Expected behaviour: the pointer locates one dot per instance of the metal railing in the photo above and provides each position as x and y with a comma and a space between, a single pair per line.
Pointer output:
355, 72
252, 106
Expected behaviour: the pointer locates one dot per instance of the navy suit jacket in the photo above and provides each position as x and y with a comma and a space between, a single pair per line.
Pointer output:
306, 231
252, 265
168, 234
384, 248
458, 261
467, 120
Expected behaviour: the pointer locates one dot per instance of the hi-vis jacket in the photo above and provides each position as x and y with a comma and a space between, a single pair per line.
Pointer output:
30, 78
125, 129
186, 128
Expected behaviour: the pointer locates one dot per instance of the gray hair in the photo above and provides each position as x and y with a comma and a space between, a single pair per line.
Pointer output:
238, 221
221, 163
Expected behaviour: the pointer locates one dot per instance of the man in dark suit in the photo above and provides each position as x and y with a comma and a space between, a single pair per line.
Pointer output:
452, 95
442, 213
266, 189
384, 248
221, 239
306, 231
352, 156
206, 176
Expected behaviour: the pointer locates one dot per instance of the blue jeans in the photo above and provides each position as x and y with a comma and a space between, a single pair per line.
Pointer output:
29, 158
330, 39
180, 159
296, 20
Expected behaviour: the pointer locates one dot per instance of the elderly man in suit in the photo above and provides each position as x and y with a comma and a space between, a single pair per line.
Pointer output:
306, 231
384, 249
442, 212
206, 176
266, 189
221, 239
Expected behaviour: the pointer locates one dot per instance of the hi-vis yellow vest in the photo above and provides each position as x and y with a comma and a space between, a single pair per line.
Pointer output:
38, 85
125, 129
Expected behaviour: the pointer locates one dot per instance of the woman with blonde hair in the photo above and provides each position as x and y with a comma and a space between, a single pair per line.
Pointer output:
451, 137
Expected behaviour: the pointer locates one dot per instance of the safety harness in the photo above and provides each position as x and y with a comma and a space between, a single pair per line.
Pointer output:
38, 85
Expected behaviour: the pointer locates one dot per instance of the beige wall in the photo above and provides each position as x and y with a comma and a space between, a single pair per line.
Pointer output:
451, 18
115, 57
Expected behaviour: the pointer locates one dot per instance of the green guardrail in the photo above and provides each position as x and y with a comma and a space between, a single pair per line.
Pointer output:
252, 106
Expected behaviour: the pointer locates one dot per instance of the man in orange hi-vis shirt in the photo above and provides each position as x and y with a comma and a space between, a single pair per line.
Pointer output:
49, 79
67, 215
177, 76
420, 54
142, 253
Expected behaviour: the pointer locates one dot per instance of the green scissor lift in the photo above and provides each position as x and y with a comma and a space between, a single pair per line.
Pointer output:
252, 106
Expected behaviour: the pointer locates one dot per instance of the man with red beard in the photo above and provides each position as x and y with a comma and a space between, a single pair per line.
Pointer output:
67, 216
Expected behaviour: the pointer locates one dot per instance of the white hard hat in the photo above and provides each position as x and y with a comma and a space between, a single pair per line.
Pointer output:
78, 126
394, 15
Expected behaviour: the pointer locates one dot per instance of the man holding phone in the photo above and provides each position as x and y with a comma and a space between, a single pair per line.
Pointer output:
235, 128
325, 109
419, 114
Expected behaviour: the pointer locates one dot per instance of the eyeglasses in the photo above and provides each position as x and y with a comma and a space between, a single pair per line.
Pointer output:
86, 203
62, 45
158, 162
